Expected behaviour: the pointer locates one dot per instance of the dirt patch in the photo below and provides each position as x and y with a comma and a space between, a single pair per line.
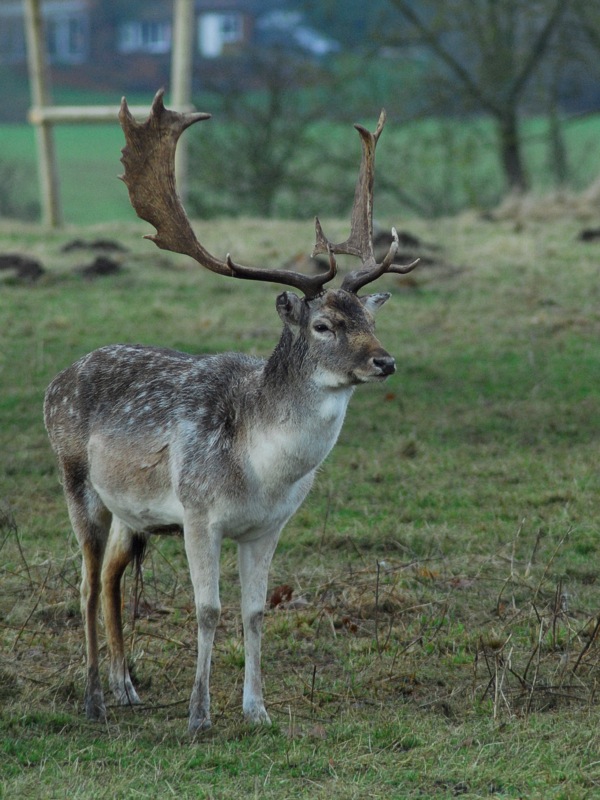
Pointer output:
24, 269
95, 244
100, 267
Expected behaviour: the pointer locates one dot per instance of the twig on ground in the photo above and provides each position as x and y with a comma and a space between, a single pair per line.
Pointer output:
32, 612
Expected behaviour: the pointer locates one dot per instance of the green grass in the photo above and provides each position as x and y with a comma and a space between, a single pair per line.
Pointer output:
443, 166
447, 554
88, 158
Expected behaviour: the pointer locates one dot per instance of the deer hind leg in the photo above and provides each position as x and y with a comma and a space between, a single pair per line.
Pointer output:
203, 550
254, 560
124, 545
91, 521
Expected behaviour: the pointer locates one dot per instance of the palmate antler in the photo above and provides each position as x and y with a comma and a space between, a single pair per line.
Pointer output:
149, 161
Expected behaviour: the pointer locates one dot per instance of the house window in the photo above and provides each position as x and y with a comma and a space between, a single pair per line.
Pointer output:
231, 28
67, 38
216, 31
145, 37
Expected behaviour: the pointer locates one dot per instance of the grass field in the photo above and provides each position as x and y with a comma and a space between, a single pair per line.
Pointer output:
447, 557
442, 166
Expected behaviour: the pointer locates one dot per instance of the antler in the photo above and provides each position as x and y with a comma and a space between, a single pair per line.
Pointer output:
360, 241
149, 161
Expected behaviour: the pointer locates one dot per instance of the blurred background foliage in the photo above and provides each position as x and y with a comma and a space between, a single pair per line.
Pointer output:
485, 98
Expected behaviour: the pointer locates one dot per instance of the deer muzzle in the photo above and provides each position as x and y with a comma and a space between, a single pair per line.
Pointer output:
384, 365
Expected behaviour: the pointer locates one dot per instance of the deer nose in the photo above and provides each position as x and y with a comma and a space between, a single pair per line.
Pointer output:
385, 364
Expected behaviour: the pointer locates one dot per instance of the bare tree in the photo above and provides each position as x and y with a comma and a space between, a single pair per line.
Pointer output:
269, 111
275, 160
588, 15
569, 81
489, 50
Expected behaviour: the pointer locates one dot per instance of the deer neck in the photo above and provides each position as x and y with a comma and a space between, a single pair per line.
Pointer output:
296, 421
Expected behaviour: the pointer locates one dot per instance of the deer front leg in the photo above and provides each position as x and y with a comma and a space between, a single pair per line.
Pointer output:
203, 549
254, 558
120, 551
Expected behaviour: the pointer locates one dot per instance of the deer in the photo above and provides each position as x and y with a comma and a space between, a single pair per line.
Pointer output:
149, 440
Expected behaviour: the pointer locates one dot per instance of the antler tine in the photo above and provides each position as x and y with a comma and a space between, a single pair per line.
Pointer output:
370, 272
360, 241
149, 161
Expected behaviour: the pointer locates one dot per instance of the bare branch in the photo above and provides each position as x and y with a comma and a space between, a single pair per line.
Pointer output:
538, 48
434, 43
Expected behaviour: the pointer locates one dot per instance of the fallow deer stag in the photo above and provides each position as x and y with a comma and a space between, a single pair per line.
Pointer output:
150, 440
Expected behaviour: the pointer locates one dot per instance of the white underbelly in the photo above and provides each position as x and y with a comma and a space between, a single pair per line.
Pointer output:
143, 513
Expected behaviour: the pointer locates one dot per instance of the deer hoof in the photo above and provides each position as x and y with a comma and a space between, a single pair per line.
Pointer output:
125, 694
257, 715
199, 725
95, 710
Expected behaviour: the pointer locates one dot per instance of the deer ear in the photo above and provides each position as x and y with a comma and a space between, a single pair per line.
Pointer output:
289, 308
373, 302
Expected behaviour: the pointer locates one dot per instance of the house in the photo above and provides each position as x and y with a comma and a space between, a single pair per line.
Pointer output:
226, 27
288, 29
67, 24
91, 32
222, 27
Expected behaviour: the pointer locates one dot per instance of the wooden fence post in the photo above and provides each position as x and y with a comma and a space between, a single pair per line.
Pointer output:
181, 79
44, 115
40, 98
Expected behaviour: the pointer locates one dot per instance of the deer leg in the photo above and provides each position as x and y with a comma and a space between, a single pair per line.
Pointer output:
90, 596
254, 560
90, 520
203, 549
122, 546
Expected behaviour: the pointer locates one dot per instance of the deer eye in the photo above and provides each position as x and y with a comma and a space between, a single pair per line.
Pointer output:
321, 327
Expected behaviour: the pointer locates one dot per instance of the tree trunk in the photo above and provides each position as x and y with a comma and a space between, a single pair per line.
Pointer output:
558, 162
557, 150
511, 155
